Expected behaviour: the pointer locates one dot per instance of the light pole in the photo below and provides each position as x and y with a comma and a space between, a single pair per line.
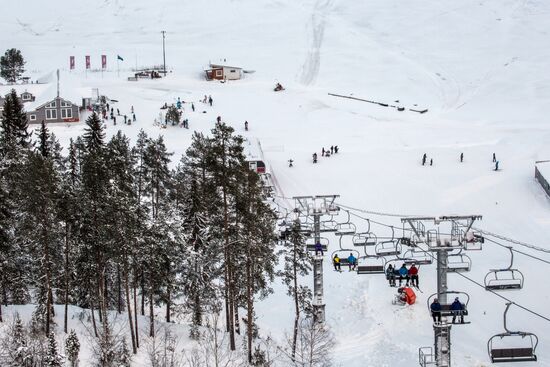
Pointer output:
164, 51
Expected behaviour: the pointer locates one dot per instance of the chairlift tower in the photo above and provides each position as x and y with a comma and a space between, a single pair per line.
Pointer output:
440, 356
317, 206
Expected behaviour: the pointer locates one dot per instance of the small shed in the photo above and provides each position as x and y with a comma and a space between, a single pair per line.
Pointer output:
223, 71
542, 174
27, 97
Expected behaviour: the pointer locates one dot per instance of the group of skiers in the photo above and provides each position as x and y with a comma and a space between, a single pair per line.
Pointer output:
326, 152
127, 119
425, 160
402, 273
457, 310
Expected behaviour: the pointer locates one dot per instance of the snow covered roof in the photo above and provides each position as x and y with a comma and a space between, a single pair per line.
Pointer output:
223, 63
46, 90
544, 168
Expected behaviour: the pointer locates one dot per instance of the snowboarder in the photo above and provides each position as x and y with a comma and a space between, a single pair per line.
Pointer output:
435, 307
332, 149
336, 149
336, 263
458, 310
390, 275
424, 157
431, 162
403, 274
219, 119
290, 161
461, 157
413, 275
494, 157
352, 261
314, 157
496, 165
246, 125
192, 107
318, 248
210, 100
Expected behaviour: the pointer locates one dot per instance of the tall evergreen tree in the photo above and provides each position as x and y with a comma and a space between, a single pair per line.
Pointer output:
53, 358
12, 65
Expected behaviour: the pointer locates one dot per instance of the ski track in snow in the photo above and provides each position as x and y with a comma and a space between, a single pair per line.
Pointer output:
312, 64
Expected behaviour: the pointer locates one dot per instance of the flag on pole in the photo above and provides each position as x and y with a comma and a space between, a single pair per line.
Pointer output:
119, 58
87, 61
103, 61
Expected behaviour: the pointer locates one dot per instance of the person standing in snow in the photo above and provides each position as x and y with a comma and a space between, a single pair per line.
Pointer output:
192, 107
332, 149
132, 109
496, 165
461, 157
125, 119
118, 112
323, 152
494, 158
314, 157
336, 149
424, 157
246, 126
114, 120
431, 162
290, 161
210, 100
219, 119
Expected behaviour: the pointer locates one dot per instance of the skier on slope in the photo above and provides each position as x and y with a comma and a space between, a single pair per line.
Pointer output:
461, 157
424, 157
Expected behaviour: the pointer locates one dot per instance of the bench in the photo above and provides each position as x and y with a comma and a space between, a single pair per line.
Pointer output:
446, 311
513, 355
370, 269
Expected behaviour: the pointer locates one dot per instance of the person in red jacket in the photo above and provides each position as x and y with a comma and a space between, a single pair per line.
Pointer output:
405, 295
413, 275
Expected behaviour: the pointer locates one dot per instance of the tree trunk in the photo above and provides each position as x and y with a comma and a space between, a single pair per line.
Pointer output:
249, 304
48, 286
296, 304
129, 308
119, 286
66, 280
151, 315
142, 294
168, 301
93, 318
136, 308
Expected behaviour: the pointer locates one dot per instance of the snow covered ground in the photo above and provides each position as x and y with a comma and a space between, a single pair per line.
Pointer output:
480, 67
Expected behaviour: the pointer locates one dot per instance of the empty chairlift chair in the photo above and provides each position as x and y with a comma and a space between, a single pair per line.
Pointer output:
512, 346
371, 265
345, 229
388, 248
416, 257
504, 279
458, 263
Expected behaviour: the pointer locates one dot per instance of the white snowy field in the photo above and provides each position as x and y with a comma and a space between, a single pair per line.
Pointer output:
480, 67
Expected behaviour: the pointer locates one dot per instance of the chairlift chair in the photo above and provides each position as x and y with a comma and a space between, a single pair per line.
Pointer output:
446, 307
388, 248
415, 257
344, 259
310, 243
364, 239
525, 345
371, 265
504, 279
458, 263
473, 241
345, 228
435, 241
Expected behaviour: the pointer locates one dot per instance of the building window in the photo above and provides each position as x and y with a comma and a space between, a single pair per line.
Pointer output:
219, 73
51, 105
232, 71
51, 114
66, 113
26, 96
65, 104
32, 117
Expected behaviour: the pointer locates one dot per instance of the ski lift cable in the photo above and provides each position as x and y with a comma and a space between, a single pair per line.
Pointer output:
470, 279
507, 239
383, 214
518, 251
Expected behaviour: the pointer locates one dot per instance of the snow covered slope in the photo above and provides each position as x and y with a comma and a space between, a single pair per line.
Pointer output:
480, 67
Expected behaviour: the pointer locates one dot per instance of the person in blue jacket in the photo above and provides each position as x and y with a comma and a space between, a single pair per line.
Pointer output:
435, 307
403, 274
352, 261
318, 249
458, 310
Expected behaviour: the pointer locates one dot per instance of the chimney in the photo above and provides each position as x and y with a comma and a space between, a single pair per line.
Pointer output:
57, 83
